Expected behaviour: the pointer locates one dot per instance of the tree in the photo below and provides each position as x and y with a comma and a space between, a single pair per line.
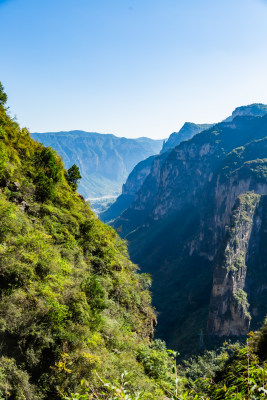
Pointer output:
3, 95
73, 176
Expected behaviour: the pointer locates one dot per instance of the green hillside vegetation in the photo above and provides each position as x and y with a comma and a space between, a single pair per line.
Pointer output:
71, 302
233, 372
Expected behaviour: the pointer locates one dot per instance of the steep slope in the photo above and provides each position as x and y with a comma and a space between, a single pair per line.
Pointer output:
104, 160
177, 231
72, 305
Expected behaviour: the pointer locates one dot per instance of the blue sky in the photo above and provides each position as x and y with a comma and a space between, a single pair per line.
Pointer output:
131, 67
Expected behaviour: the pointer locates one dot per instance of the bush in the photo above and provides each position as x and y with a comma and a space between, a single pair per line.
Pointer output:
14, 382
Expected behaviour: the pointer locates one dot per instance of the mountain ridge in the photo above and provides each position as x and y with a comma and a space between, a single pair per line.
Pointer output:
143, 169
187, 131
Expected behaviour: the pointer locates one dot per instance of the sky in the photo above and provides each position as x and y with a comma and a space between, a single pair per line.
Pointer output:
131, 67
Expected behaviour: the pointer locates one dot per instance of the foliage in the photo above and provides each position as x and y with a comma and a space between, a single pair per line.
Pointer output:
3, 95
73, 176
154, 358
243, 377
231, 373
71, 302
14, 380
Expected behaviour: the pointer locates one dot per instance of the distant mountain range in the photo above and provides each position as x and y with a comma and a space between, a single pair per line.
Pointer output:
105, 160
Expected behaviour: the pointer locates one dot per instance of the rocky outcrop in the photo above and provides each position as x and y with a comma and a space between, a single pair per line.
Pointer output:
177, 177
140, 203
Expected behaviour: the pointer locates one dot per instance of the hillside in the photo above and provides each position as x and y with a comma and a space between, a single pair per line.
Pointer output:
178, 230
72, 306
104, 160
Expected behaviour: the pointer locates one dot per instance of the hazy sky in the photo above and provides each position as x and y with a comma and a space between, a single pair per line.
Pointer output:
131, 67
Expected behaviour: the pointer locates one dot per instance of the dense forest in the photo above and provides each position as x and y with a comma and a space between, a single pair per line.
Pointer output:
76, 320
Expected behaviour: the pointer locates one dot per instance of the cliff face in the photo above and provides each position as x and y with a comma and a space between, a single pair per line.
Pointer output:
239, 278
144, 199
177, 229
148, 169
104, 160
229, 307
177, 177
145, 179
192, 165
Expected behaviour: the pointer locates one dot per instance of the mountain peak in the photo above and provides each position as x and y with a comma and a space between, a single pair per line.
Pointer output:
188, 130
251, 110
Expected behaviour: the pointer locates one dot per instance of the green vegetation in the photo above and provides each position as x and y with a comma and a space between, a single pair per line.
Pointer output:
3, 95
242, 374
73, 176
231, 373
71, 302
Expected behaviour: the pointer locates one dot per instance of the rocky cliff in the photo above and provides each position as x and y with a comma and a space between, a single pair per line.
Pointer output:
229, 308
178, 231
148, 169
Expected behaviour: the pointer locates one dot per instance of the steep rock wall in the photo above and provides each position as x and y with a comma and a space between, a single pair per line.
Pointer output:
229, 308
